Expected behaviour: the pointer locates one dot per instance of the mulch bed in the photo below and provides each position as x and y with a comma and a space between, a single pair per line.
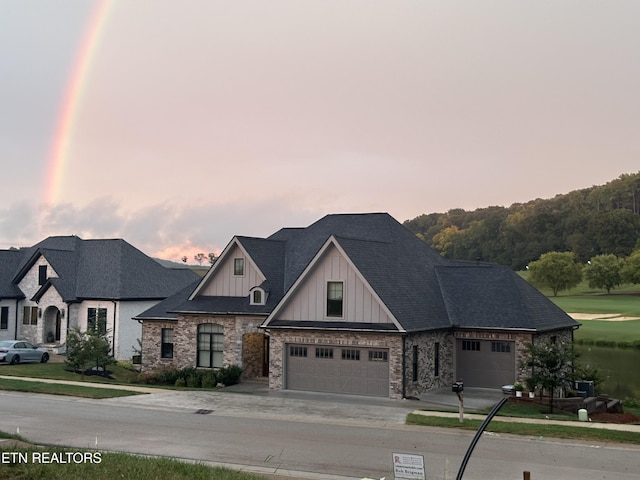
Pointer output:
615, 418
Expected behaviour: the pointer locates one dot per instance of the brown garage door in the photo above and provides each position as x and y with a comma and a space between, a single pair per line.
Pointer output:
358, 371
485, 363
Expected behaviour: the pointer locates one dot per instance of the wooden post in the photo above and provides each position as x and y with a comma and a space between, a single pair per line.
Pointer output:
460, 408
526, 475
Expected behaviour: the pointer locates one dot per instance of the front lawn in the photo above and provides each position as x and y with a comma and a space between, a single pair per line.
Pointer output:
62, 389
56, 371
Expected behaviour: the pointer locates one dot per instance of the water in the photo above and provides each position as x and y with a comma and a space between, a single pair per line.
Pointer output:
619, 366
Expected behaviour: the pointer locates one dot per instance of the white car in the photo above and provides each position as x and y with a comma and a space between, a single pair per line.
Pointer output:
19, 351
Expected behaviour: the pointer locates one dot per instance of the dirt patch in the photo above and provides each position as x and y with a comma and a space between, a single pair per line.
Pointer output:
615, 418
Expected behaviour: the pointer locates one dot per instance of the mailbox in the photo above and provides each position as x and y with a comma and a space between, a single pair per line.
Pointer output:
457, 387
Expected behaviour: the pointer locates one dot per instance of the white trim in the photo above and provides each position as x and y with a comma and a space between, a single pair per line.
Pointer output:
263, 293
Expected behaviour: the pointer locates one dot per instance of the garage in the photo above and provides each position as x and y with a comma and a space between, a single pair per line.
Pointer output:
336, 369
485, 363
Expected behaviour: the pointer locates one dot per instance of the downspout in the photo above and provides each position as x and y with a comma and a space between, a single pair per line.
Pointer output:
404, 365
15, 325
115, 306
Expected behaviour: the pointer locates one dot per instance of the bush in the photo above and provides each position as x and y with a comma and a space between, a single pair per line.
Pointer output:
209, 379
194, 381
180, 382
229, 375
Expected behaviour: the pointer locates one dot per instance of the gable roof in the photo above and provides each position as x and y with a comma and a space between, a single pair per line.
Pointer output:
421, 289
101, 269
9, 263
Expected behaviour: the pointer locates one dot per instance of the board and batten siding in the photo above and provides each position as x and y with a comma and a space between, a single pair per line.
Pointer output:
309, 301
226, 284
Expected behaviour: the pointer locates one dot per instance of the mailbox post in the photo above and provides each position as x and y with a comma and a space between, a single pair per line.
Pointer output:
458, 388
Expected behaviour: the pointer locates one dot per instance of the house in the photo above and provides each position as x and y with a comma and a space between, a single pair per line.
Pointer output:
352, 304
64, 282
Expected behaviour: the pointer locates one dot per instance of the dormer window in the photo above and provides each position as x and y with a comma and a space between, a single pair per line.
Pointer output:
238, 267
257, 296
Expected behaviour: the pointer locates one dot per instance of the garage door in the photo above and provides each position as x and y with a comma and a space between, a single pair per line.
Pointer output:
358, 371
485, 363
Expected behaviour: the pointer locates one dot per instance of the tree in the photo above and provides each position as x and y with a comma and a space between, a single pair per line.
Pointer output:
555, 270
604, 271
552, 367
88, 350
212, 258
200, 258
631, 269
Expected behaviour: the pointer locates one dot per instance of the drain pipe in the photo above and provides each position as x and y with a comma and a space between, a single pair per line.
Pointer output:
404, 365
15, 326
115, 307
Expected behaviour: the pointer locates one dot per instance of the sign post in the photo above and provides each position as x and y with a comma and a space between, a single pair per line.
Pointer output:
458, 388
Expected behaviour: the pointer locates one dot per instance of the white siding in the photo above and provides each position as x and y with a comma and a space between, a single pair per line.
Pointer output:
10, 332
309, 300
225, 283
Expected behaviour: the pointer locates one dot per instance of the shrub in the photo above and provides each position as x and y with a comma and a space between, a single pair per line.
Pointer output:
194, 380
209, 379
229, 375
180, 382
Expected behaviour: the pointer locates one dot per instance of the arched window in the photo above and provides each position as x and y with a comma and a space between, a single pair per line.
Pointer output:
210, 345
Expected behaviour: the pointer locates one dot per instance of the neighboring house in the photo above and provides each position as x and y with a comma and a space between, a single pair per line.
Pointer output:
65, 282
352, 304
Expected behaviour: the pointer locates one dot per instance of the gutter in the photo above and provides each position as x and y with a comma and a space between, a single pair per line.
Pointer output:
404, 366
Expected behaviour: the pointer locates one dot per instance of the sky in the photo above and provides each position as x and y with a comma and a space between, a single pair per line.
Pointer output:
178, 124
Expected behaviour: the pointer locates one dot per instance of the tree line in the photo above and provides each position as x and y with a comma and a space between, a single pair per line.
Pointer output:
593, 221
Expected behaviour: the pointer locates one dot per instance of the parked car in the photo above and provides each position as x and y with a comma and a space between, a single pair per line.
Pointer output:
18, 351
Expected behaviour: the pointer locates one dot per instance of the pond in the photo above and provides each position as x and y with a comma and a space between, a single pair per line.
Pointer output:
619, 366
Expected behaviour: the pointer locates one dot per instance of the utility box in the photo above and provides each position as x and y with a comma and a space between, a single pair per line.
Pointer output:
585, 386
457, 387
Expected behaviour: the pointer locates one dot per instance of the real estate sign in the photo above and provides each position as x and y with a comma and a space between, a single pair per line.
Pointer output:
407, 466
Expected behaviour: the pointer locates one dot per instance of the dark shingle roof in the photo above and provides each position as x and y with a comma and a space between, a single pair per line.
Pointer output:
420, 288
9, 264
493, 296
103, 269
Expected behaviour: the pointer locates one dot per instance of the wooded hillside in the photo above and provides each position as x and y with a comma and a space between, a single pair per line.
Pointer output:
591, 221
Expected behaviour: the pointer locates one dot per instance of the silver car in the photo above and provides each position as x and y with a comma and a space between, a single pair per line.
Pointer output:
18, 351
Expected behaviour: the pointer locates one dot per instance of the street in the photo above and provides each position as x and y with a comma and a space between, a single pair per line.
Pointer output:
339, 446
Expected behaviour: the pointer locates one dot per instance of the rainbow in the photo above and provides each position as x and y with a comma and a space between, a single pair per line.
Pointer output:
71, 100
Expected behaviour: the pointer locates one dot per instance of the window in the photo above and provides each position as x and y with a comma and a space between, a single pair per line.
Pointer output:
42, 274
210, 345
436, 359
4, 318
30, 316
238, 266
257, 297
297, 351
334, 299
501, 347
97, 320
378, 355
471, 345
324, 352
350, 354
414, 375
166, 347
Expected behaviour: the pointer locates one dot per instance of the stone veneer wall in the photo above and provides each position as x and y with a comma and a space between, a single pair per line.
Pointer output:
185, 337
426, 362
279, 339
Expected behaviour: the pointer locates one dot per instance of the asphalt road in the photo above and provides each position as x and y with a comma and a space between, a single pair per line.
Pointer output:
339, 448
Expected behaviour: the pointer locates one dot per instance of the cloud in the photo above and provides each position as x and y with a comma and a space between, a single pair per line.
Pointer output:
165, 230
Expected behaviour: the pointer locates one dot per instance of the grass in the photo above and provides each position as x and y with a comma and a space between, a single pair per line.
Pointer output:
555, 431
62, 389
604, 333
110, 466
624, 305
56, 371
